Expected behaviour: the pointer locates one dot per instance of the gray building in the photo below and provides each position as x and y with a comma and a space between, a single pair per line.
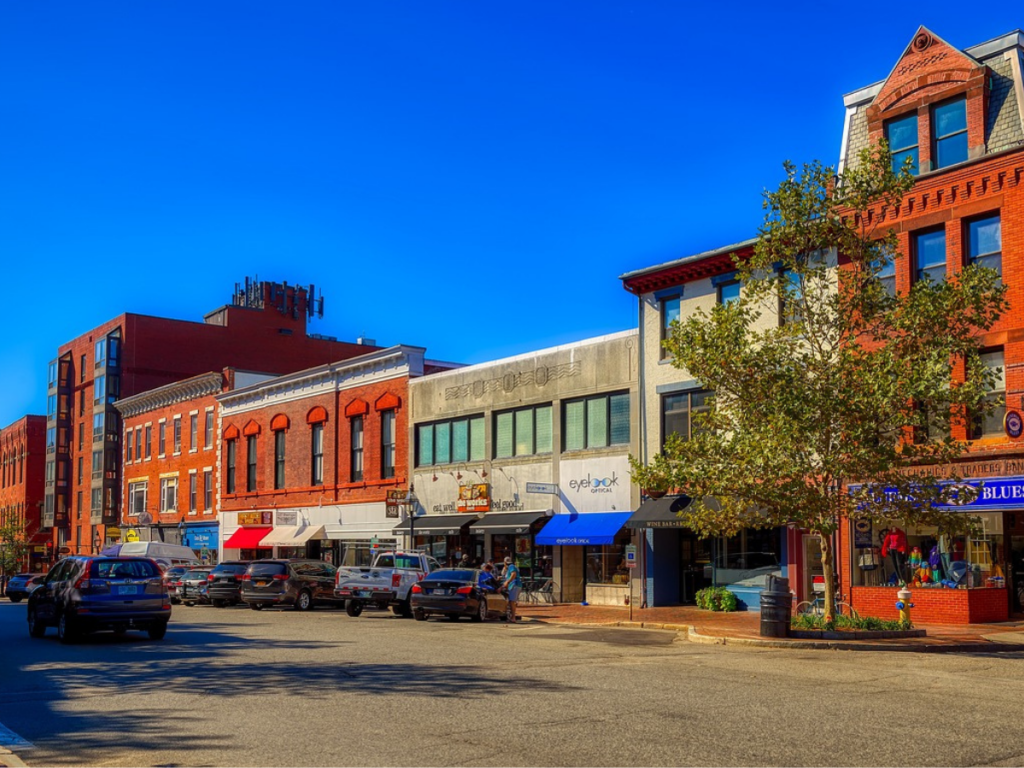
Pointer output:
528, 457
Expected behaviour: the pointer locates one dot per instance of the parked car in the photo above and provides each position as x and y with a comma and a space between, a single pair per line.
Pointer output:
387, 582
225, 582
301, 583
166, 555
82, 594
455, 592
171, 578
21, 586
192, 586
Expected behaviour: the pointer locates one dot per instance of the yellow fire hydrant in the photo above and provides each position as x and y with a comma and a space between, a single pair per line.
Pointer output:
904, 605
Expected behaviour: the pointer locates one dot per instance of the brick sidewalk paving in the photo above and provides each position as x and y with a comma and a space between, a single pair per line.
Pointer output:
746, 624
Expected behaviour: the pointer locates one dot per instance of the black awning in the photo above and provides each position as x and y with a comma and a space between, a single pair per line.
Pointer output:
660, 513
508, 522
438, 525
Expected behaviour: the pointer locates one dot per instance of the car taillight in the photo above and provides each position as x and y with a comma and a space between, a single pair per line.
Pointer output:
210, 577
281, 576
177, 583
463, 590
396, 580
246, 577
82, 583
417, 589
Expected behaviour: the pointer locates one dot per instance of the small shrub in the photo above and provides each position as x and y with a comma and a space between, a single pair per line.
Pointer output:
716, 599
864, 623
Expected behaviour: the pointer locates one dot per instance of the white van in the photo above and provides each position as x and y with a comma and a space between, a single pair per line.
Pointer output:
165, 554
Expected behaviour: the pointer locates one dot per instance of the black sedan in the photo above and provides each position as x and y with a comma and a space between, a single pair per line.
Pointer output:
455, 592
22, 585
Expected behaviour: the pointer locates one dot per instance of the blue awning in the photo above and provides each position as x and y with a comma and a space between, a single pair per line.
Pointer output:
581, 529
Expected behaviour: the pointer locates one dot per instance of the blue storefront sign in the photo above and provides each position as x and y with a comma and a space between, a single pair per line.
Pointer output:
994, 494
200, 536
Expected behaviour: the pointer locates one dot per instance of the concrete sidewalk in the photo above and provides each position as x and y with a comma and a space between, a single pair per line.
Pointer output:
743, 628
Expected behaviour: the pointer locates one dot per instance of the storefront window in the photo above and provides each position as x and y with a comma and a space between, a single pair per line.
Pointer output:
606, 564
746, 558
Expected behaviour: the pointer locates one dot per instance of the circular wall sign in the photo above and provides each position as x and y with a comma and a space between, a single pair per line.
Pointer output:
1013, 424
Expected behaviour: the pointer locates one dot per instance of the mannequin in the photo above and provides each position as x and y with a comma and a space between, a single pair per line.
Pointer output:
894, 544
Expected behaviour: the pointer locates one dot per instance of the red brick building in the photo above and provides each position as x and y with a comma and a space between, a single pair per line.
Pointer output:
263, 328
22, 456
959, 116
308, 459
170, 471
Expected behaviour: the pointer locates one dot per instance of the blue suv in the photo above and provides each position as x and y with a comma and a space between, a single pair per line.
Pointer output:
90, 594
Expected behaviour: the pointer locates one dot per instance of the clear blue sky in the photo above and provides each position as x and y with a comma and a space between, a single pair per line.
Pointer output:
471, 177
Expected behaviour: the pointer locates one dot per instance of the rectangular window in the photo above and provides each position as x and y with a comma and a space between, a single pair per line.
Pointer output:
357, 449
387, 443
678, 411
51, 407
128, 446
670, 308
81, 435
81, 369
96, 502
949, 132
903, 143
149, 441
193, 432
229, 471
930, 255
101, 352
250, 467
161, 440
99, 389
523, 432
138, 444
208, 436
992, 422
596, 422
728, 291
177, 434
317, 441
985, 242
443, 441
279, 459
887, 273
51, 376
789, 296
97, 464
81, 401
168, 494
193, 479
81, 468
208, 490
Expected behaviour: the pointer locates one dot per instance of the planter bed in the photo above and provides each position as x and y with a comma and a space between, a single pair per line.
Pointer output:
854, 634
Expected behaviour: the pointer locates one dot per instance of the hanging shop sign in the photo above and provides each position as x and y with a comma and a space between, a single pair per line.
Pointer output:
474, 498
131, 535
862, 534
287, 517
256, 518
394, 502
1013, 423
631, 555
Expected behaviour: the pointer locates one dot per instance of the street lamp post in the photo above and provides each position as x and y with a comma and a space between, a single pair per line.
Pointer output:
410, 504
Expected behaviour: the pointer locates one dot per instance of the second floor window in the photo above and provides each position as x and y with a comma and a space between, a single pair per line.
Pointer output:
523, 432
149, 441
728, 291
387, 443
229, 470
930, 255
177, 434
193, 432
128, 445
136, 498
357, 449
317, 440
279, 459
903, 142
949, 133
678, 412
596, 422
168, 494
250, 468
208, 490
992, 422
161, 441
208, 436
193, 479
670, 308
985, 243
447, 442
887, 273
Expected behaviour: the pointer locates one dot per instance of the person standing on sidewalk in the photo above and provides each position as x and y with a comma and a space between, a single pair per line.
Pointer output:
513, 584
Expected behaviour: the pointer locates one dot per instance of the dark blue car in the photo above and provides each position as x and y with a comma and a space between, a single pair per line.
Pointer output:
91, 594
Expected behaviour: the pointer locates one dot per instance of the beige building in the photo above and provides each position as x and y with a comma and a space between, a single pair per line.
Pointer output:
528, 457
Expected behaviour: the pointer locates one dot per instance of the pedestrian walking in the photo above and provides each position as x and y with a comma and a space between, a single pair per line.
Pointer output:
513, 584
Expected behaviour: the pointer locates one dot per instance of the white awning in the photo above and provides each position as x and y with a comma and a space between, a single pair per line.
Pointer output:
293, 535
364, 530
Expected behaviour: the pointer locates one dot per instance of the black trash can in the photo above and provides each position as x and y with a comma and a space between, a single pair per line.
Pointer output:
776, 607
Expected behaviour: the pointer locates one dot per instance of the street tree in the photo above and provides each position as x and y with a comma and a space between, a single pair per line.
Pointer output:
824, 376
14, 545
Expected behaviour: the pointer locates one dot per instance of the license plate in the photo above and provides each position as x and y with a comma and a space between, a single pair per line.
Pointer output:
125, 590
440, 592
362, 593
261, 583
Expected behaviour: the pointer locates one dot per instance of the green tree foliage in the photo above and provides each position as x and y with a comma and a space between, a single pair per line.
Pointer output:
13, 545
836, 394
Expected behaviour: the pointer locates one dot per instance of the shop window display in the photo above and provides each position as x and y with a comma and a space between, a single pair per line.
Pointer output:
606, 564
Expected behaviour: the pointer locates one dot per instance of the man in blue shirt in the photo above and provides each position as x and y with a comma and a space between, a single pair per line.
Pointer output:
513, 584
486, 580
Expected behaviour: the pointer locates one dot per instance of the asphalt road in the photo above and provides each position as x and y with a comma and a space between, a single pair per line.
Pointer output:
233, 687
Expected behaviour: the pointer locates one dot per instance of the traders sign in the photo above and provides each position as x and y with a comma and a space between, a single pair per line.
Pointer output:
474, 498
394, 500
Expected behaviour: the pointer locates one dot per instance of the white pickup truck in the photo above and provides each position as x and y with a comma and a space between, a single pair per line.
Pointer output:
387, 582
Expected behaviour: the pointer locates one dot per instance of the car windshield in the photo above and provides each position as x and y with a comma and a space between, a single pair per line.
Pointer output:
231, 568
123, 569
196, 574
452, 574
267, 569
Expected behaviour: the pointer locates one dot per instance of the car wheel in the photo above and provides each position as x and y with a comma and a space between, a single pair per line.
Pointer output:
406, 607
190, 604
14, 599
304, 602
65, 629
353, 608
256, 606
157, 631
419, 615
175, 601
35, 627
481, 610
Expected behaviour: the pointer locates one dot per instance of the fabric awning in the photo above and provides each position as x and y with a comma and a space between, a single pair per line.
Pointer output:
507, 522
583, 528
293, 535
248, 538
366, 531
663, 512
438, 525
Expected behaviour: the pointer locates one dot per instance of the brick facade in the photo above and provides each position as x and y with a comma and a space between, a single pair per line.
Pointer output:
22, 456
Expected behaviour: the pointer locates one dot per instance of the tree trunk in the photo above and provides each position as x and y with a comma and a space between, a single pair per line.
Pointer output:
828, 570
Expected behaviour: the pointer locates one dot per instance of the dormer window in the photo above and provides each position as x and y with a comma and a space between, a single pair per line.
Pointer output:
949, 126
901, 134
